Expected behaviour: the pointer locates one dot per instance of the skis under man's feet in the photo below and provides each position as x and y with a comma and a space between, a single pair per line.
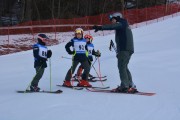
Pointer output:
113, 91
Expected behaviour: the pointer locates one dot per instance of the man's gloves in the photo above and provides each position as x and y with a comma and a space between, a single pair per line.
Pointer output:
97, 54
49, 53
97, 28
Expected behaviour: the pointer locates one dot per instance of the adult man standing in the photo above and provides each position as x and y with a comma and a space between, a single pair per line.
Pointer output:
125, 48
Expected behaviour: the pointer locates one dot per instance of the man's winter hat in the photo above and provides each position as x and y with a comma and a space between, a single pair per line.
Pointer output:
116, 16
79, 31
42, 37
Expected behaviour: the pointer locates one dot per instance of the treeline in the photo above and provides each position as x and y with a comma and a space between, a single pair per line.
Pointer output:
25, 10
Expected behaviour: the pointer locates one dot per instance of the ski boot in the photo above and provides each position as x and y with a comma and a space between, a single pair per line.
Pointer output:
34, 88
132, 89
121, 89
67, 83
84, 83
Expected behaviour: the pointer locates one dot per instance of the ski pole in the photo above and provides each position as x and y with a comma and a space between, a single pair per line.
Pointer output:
99, 70
112, 45
96, 73
66, 57
93, 63
95, 70
72, 73
50, 73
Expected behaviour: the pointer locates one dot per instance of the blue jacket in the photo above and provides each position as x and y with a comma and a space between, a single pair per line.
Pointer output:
40, 55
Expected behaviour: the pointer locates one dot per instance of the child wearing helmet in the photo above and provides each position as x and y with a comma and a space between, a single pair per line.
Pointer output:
91, 52
79, 45
41, 54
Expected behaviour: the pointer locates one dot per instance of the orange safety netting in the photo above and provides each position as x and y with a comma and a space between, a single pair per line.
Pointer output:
63, 25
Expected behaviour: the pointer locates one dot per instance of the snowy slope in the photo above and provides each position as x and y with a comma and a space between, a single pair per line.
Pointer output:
155, 67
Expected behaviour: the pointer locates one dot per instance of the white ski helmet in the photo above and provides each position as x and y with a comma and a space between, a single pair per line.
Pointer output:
79, 30
116, 16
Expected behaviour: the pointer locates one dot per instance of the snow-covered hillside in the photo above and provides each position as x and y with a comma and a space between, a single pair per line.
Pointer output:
155, 68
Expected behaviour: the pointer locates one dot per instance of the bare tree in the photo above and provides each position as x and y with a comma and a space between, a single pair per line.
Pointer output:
47, 9
59, 9
35, 8
52, 11
27, 10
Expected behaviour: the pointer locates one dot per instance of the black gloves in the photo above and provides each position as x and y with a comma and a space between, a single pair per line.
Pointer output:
97, 28
49, 53
97, 54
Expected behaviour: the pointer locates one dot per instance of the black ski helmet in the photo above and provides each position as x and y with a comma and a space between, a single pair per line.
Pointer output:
42, 38
116, 16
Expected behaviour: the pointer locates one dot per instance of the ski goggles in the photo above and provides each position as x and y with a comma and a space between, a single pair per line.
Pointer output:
90, 39
110, 17
43, 39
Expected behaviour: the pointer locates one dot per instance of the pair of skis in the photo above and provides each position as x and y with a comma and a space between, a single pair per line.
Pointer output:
96, 79
112, 91
41, 91
92, 79
80, 88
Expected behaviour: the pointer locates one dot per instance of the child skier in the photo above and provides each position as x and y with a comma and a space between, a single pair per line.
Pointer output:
79, 56
91, 52
41, 54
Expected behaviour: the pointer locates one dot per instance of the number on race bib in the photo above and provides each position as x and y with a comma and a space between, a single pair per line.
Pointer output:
90, 51
81, 47
44, 53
